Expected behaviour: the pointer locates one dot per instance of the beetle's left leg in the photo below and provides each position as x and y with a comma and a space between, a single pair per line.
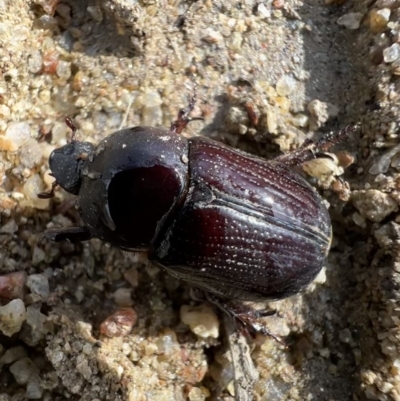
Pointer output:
71, 234
183, 116
50, 194
311, 150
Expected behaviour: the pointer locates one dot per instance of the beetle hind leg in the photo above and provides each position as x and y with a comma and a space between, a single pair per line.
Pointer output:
71, 234
312, 150
246, 317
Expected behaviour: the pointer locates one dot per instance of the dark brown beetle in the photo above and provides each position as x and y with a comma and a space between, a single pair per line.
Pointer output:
232, 224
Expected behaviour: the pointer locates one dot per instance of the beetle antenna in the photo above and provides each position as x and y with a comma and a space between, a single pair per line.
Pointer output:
72, 126
183, 116
311, 150
50, 194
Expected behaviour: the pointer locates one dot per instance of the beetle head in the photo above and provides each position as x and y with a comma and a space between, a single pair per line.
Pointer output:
66, 164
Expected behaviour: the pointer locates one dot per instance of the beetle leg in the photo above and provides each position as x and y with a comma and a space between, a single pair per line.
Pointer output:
250, 324
72, 126
71, 234
311, 150
48, 195
183, 116
245, 316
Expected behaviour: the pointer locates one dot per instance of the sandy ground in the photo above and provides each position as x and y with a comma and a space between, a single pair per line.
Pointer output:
305, 68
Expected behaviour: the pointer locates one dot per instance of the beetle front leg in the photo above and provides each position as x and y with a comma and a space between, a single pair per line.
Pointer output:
71, 234
183, 116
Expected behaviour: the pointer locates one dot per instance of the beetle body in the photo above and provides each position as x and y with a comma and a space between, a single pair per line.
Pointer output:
248, 229
229, 223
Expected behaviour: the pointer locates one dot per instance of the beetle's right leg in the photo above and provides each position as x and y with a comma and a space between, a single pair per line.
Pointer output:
311, 150
71, 234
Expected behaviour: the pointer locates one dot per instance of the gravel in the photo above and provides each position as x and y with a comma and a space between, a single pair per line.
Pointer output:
269, 75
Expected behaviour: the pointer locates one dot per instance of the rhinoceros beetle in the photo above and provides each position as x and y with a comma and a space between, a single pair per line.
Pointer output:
239, 227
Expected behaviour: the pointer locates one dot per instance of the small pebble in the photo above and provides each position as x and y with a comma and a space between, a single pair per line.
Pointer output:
152, 112
13, 354
359, 220
12, 285
373, 204
39, 284
120, 323
383, 163
12, 316
285, 85
151, 98
323, 167
320, 113
345, 159
5, 112
167, 343
272, 122
123, 297
283, 103
212, 36
45, 22
34, 390
345, 336
235, 41
23, 370
263, 11
83, 367
391, 53
236, 118
351, 20
321, 277
300, 120
231, 388
30, 153
38, 255
35, 62
63, 69
16, 134
60, 133
132, 277
378, 19
201, 319
38, 321
198, 394
95, 12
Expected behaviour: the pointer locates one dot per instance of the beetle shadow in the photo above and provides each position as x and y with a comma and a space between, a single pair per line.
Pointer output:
339, 311
98, 30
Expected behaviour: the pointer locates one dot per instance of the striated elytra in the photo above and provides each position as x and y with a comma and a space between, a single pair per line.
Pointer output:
232, 224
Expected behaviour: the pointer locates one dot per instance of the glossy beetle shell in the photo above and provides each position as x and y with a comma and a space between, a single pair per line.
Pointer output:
227, 222
249, 229
130, 187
